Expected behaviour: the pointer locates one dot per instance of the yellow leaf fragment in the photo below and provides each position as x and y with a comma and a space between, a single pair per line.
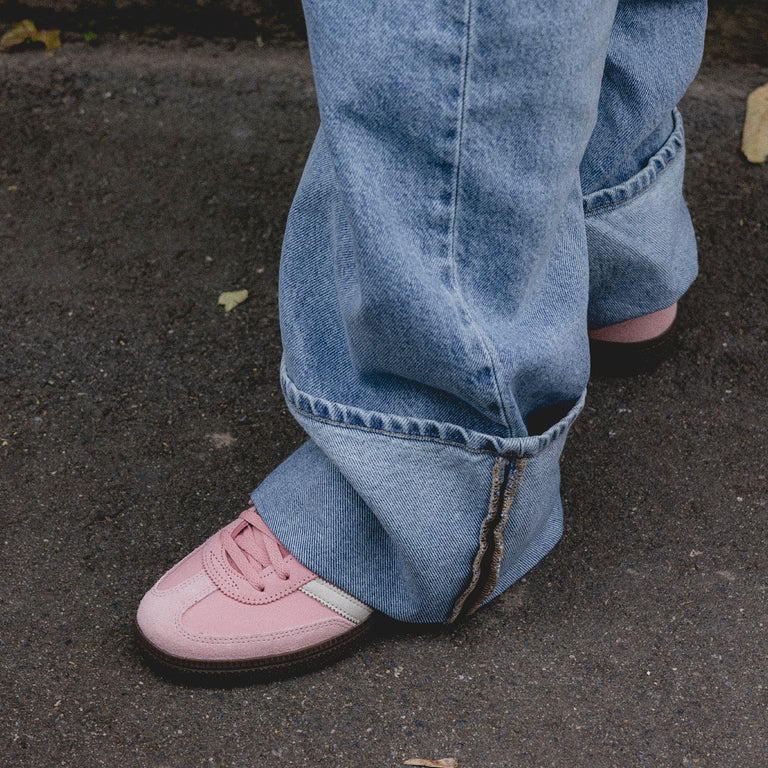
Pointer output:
26, 32
754, 141
443, 762
230, 299
17, 34
221, 439
51, 38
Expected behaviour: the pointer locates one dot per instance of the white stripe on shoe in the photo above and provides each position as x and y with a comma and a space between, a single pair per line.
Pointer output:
337, 600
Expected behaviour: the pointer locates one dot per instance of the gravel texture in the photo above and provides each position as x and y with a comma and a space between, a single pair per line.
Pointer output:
140, 179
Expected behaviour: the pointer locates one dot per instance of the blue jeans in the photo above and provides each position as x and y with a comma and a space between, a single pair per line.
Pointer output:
490, 179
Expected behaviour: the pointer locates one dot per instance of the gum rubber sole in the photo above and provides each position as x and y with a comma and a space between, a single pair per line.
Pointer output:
261, 669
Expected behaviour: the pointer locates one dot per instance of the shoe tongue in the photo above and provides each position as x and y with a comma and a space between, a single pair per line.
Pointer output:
233, 566
283, 551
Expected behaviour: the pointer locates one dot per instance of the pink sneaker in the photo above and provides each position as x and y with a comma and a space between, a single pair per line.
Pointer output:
635, 346
241, 603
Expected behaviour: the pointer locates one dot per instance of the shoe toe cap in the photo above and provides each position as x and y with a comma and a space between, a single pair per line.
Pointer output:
193, 622
161, 612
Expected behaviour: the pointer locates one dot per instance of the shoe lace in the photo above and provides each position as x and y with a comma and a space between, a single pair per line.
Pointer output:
252, 548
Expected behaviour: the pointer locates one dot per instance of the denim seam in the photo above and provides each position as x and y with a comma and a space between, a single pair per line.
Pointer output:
537, 443
465, 58
497, 486
655, 178
486, 565
496, 554
390, 433
657, 164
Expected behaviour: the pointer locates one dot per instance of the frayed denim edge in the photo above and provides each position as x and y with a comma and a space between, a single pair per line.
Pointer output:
623, 193
305, 405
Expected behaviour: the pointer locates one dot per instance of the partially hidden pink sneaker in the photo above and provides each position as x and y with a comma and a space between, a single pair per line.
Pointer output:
242, 604
635, 346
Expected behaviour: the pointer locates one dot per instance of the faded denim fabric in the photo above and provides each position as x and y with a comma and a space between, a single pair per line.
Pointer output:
489, 178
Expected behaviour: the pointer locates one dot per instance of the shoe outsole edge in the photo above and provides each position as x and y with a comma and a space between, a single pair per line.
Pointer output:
260, 669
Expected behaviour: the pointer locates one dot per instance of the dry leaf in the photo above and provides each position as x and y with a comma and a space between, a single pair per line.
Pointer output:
443, 762
17, 35
754, 142
231, 299
26, 32
221, 439
51, 38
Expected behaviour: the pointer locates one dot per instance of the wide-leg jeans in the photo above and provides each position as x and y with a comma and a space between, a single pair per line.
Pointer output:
490, 179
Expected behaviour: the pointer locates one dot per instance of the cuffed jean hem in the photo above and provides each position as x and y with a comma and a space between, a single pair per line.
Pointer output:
420, 520
640, 239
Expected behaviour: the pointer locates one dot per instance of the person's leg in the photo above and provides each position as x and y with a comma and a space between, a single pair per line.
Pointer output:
433, 296
642, 249
434, 292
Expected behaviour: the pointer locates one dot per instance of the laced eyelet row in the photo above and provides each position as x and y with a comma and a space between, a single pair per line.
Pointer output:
287, 577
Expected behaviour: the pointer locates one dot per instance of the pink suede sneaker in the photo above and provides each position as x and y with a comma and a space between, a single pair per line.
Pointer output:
242, 604
635, 346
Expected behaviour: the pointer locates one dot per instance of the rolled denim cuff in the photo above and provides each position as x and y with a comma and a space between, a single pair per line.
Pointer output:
640, 239
420, 520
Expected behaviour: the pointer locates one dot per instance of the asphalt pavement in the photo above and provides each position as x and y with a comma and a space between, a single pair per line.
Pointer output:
138, 180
